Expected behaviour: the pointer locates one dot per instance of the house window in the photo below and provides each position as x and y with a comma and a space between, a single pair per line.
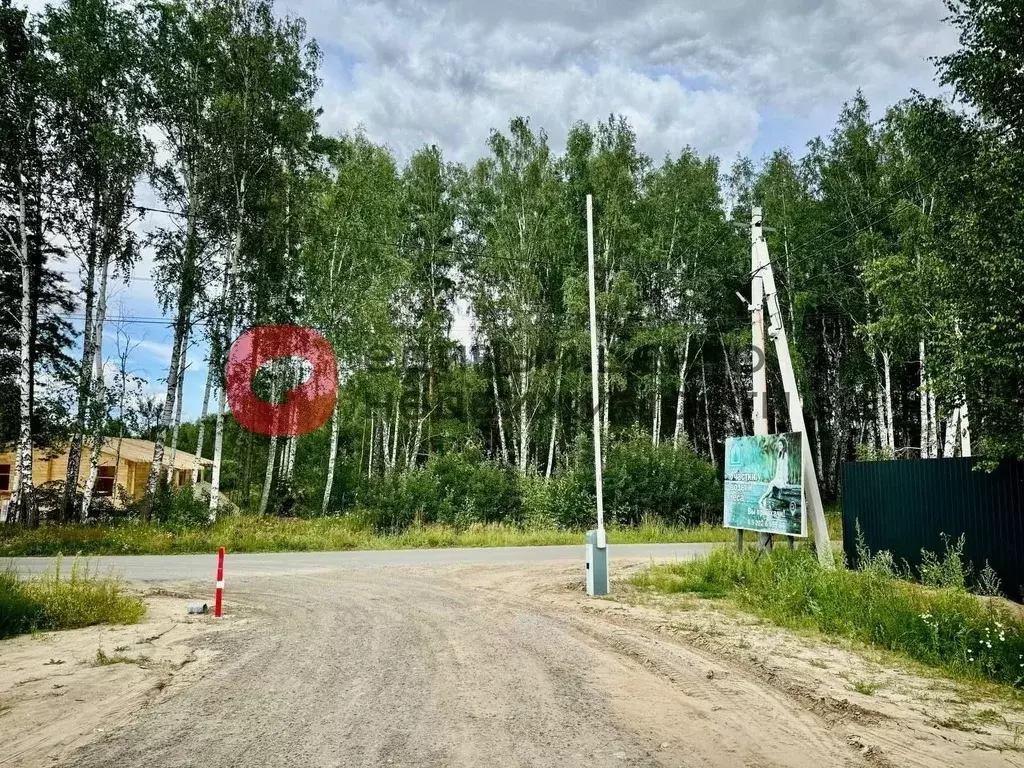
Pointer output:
105, 481
5, 477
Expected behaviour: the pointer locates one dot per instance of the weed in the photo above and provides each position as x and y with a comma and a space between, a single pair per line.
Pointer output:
864, 687
53, 601
943, 627
103, 659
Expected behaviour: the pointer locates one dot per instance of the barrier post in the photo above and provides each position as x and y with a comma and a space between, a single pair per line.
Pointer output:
220, 582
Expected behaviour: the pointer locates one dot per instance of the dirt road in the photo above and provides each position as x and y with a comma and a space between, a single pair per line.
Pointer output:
473, 665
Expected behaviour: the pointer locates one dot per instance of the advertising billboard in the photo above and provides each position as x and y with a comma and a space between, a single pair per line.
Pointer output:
764, 484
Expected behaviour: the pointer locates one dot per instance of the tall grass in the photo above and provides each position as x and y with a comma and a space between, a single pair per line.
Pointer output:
52, 602
943, 626
270, 534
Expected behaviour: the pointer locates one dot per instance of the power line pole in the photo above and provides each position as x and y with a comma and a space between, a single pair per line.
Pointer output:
757, 351
777, 332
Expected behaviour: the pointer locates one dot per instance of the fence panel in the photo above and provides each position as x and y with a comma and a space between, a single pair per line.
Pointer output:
907, 506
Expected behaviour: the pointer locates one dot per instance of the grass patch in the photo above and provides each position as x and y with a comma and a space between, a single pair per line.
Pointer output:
104, 659
864, 687
51, 602
245, 533
944, 627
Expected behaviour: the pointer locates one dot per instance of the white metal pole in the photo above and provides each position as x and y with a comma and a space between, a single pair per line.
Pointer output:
593, 367
777, 331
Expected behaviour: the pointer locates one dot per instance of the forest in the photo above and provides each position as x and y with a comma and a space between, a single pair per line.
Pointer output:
455, 296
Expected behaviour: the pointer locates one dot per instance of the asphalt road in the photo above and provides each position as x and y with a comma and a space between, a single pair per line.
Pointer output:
155, 568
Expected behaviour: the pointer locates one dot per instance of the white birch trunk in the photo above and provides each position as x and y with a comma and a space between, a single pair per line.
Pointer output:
289, 471
817, 447
681, 396
99, 395
22, 501
952, 433
926, 448
554, 420
178, 397
524, 424
268, 476
656, 416
737, 401
385, 441
218, 440
394, 437
497, 407
933, 422
333, 455
373, 444
165, 417
196, 462
331, 458
965, 431
218, 449
707, 416
414, 447
890, 430
880, 430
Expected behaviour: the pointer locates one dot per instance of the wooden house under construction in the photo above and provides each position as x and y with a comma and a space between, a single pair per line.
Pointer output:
123, 462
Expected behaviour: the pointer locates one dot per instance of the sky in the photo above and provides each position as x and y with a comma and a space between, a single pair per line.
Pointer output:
727, 77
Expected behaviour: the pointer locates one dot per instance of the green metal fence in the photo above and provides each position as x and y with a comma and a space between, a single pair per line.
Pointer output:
907, 506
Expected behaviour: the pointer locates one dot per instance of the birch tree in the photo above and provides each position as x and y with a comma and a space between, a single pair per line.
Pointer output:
94, 47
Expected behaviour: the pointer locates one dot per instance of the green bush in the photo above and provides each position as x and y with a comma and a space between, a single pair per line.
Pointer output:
641, 481
457, 489
180, 507
463, 488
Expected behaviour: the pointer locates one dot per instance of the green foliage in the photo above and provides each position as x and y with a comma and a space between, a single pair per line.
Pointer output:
461, 488
455, 489
945, 627
52, 601
674, 485
180, 507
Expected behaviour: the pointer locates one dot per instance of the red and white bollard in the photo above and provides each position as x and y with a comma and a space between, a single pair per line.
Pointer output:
220, 582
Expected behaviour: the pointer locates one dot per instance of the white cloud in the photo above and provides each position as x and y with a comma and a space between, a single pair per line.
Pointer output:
448, 71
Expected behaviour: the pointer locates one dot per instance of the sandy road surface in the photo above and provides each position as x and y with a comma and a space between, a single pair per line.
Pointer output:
486, 665
411, 668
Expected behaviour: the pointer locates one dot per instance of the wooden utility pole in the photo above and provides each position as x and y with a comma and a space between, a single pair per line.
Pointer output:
777, 332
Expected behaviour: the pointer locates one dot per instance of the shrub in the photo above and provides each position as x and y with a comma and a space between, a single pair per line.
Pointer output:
643, 480
180, 507
458, 489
